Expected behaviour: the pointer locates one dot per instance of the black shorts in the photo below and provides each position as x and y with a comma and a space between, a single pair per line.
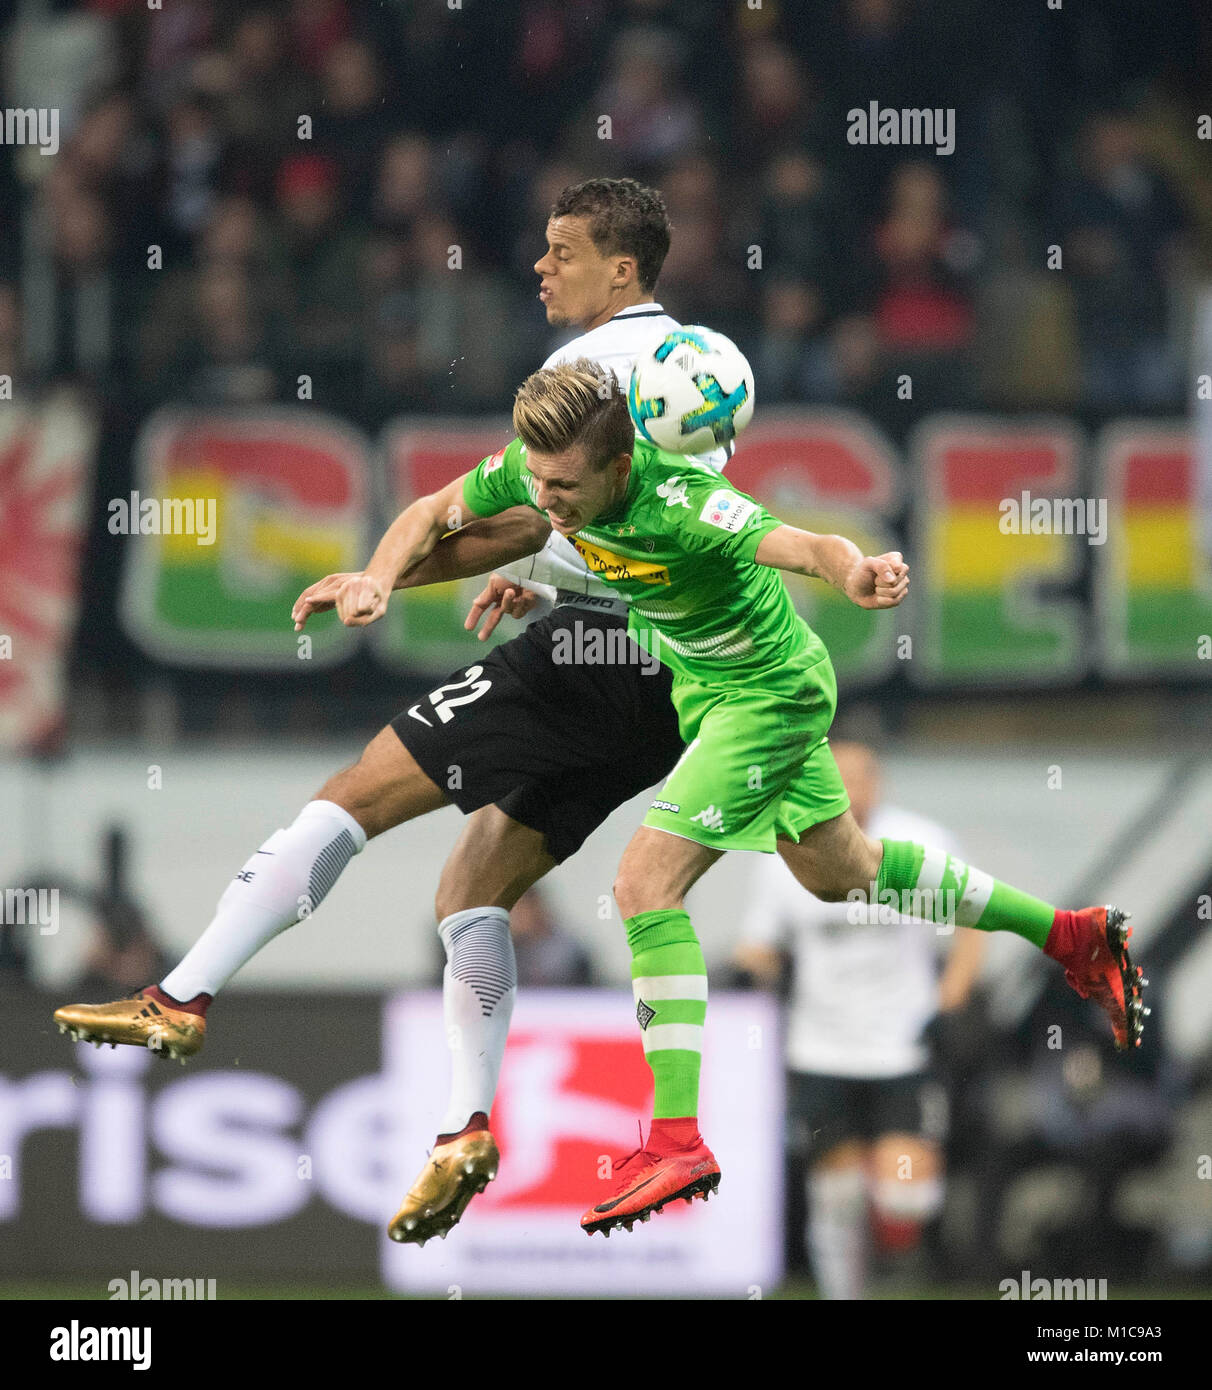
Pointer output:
556, 743
823, 1111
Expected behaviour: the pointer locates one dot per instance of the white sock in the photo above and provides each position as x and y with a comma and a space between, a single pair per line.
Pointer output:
283, 882
479, 985
837, 1231
915, 1200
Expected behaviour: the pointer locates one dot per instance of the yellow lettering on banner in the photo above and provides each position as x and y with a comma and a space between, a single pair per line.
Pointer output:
249, 524
305, 548
612, 566
973, 552
195, 485
1160, 548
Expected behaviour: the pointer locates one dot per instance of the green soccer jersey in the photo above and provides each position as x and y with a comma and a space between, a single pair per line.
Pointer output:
679, 547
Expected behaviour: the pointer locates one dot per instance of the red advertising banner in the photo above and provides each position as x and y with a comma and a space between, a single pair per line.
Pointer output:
272, 1156
574, 1088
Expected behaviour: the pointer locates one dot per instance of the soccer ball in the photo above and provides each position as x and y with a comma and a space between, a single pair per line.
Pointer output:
691, 391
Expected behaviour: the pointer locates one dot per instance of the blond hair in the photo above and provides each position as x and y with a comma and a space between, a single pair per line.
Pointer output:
575, 405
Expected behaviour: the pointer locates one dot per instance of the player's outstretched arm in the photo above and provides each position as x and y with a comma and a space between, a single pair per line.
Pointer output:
362, 598
871, 581
482, 545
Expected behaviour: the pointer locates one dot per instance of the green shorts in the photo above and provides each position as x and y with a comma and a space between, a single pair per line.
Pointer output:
757, 764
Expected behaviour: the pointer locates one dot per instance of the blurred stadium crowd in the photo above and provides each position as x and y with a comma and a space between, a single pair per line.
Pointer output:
307, 167
355, 193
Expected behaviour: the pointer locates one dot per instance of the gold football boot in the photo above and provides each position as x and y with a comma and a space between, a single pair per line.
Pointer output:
453, 1174
140, 1021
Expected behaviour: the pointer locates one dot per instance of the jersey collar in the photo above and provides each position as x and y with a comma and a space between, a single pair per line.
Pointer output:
639, 311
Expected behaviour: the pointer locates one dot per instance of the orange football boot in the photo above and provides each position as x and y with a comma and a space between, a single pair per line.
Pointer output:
1098, 967
649, 1182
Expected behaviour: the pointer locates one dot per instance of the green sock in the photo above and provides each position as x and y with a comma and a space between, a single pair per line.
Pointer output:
669, 982
950, 891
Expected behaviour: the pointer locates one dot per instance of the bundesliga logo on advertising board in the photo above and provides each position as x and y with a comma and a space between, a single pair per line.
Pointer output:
572, 1086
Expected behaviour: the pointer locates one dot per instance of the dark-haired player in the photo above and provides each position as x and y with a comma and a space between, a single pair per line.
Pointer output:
537, 741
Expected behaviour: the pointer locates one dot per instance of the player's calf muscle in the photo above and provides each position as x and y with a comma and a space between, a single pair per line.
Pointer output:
384, 788
495, 860
833, 858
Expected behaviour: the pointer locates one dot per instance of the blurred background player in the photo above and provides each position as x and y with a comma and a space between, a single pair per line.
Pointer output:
548, 955
863, 1110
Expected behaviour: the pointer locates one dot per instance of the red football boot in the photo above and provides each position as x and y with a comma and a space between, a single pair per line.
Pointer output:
649, 1181
1092, 945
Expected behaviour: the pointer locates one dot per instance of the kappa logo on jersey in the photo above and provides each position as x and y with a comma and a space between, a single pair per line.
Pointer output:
710, 818
674, 492
644, 1015
671, 806
727, 511
495, 462
612, 566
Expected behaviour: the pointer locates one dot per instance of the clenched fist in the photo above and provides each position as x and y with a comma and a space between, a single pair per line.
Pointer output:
358, 599
878, 581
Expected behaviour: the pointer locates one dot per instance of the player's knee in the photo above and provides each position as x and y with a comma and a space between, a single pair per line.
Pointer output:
369, 815
901, 1207
335, 788
459, 887
635, 893
342, 791
871, 856
626, 895
447, 902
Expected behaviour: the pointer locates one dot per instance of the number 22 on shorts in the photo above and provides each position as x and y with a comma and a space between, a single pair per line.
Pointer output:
444, 708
